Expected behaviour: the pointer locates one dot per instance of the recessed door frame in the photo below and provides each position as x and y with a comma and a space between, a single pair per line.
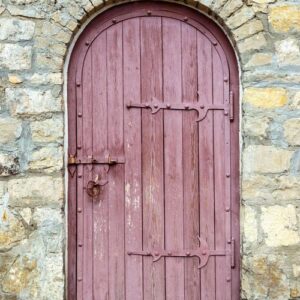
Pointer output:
70, 142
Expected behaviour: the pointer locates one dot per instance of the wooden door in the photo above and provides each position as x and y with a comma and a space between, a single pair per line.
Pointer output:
153, 158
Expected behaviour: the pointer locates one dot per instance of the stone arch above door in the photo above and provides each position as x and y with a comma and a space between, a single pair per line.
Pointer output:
230, 15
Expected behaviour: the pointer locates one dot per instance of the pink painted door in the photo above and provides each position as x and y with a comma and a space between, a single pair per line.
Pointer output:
153, 158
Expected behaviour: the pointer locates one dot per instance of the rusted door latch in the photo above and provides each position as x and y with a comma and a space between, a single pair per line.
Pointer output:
93, 187
92, 160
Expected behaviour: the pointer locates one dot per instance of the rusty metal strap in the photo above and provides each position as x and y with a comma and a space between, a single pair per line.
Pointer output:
109, 160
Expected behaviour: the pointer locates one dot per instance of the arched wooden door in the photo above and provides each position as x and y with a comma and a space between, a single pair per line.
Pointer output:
153, 158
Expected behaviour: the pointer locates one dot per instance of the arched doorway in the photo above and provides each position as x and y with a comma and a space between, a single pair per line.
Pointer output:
153, 157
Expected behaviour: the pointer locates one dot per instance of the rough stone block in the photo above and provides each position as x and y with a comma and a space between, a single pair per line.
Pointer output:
295, 293
266, 97
15, 79
53, 286
264, 277
72, 25
50, 130
75, 10
25, 101
230, 7
296, 271
248, 29
15, 57
285, 17
21, 277
9, 165
45, 78
207, 3
16, 29
295, 101
11, 228
10, 130
255, 42
257, 187
35, 191
250, 225
271, 189
286, 188
261, 5
29, 11
280, 225
86, 5
48, 160
256, 126
49, 61
240, 17
97, 2
61, 17
288, 52
217, 4
259, 59
266, 159
292, 131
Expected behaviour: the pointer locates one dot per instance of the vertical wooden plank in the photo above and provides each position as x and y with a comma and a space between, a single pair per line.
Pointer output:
173, 165
87, 139
80, 232
132, 141
206, 164
72, 183
219, 172
227, 169
190, 161
152, 158
116, 172
100, 204
80, 191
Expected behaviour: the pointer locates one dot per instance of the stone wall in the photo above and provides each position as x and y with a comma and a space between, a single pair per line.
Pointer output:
34, 38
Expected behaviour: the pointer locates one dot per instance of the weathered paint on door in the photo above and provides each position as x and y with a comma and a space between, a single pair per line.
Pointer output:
153, 158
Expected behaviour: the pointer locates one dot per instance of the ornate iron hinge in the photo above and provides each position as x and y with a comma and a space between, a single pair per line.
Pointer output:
155, 105
203, 253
